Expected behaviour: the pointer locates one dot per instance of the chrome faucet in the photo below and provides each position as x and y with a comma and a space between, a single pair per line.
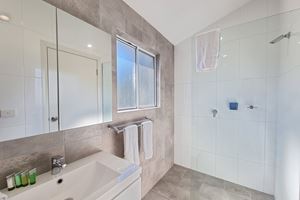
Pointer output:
57, 164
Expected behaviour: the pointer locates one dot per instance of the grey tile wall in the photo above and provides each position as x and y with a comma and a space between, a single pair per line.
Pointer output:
115, 17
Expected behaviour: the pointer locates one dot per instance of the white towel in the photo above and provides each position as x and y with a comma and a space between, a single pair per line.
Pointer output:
131, 144
147, 131
207, 50
3, 196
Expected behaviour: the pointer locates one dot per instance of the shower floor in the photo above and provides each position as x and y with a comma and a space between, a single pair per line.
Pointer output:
185, 184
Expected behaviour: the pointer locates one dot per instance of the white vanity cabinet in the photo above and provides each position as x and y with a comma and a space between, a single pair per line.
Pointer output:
133, 192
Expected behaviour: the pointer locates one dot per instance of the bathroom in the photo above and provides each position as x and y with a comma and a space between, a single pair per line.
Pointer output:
152, 100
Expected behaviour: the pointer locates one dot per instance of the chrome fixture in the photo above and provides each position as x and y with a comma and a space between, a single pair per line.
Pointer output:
119, 128
57, 164
54, 119
214, 112
252, 107
279, 38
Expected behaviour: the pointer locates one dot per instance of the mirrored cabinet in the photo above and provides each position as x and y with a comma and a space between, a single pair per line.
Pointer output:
55, 70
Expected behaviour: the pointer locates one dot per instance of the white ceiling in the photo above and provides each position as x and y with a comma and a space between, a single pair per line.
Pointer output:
179, 19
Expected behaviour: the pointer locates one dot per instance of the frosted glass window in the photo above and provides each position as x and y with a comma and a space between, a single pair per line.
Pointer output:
126, 82
147, 80
136, 77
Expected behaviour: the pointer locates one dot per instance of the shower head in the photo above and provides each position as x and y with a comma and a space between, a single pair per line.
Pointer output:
279, 38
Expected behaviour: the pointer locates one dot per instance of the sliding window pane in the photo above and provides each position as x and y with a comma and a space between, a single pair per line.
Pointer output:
126, 76
147, 80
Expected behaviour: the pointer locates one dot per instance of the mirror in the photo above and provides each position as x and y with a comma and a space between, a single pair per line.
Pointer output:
44, 90
84, 63
23, 69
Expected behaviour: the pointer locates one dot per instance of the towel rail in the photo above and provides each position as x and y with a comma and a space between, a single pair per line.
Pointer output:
119, 128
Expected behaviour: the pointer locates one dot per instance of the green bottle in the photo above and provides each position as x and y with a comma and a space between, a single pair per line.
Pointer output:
24, 178
18, 180
32, 176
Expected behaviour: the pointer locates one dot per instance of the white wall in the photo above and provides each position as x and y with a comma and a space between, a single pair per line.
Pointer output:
240, 146
255, 9
288, 145
237, 146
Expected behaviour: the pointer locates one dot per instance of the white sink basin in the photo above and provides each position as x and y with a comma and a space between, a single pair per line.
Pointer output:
96, 177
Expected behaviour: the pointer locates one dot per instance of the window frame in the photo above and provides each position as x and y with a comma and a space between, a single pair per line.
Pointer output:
138, 49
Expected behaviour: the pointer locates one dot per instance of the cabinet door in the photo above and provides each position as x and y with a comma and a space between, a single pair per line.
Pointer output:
133, 192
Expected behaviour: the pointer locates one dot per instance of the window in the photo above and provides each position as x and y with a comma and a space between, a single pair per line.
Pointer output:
136, 77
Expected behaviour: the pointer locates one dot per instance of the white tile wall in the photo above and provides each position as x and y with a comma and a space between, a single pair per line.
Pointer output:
251, 71
183, 133
288, 140
227, 138
272, 97
182, 155
253, 92
203, 99
228, 64
183, 57
251, 174
269, 178
238, 146
182, 99
253, 53
203, 133
251, 141
228, 91
203, 161
207, 76
270, 143
227, 168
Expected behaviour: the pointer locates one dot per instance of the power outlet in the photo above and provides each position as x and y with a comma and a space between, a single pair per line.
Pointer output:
7, 113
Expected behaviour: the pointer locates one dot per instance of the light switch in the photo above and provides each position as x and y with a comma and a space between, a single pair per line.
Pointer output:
7, 113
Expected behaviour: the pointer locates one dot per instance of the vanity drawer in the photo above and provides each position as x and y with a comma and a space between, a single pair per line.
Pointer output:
133, 192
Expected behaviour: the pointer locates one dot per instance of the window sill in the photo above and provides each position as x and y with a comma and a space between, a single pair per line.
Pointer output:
139, 109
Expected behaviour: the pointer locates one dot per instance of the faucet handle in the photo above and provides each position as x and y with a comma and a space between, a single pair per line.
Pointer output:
58, 160
58, 163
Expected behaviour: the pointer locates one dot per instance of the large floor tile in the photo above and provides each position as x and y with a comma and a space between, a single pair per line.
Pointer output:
185, 184
154, 196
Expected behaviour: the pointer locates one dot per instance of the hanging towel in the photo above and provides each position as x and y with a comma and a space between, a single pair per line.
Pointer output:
147, 135
3, 196
131, 144
207, 50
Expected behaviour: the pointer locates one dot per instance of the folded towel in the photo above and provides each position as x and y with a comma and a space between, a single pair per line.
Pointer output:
207, 50
3, 196
147, 131
131, 144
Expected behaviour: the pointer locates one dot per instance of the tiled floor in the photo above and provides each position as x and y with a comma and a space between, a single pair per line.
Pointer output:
185, 184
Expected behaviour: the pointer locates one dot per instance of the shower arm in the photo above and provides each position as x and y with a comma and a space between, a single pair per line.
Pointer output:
279, 38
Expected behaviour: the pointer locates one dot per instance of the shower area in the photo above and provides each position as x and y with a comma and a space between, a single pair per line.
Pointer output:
241, 121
